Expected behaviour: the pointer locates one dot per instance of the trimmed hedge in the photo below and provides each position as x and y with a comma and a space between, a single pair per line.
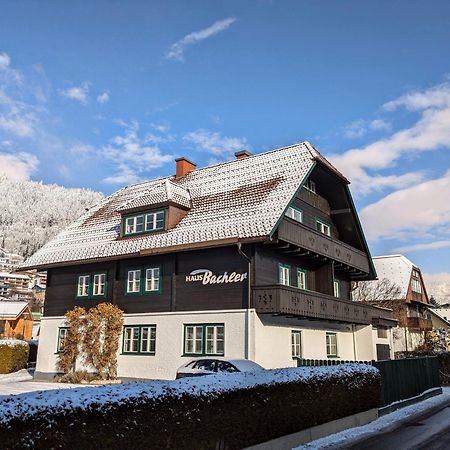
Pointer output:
13, 355
230, 411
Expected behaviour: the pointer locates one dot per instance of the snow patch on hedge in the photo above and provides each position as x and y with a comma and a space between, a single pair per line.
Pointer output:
64, 400
12, 342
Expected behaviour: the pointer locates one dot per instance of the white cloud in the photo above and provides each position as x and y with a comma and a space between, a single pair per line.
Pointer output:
132, 156
103, 97
216, 144
5, 61
77, 93
430, 132
421, 247
438, 286
360, 128
19, 166
176, 50
410, 213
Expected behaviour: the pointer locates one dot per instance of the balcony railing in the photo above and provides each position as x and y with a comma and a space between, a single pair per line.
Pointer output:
419, 323
309, 239
285, 300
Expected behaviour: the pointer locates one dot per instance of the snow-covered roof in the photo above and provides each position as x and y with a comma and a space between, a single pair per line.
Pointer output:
164, 192
15, 276
240, 199
439, 315
397, 269
11, 309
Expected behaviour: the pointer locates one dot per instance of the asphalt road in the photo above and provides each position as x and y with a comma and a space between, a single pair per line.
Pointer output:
430, 432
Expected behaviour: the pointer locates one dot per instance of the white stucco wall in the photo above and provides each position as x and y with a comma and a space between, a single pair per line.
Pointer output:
269, 341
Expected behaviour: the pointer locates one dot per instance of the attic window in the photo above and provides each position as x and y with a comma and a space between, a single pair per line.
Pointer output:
146, 222
310, 185
416, 285
295, 214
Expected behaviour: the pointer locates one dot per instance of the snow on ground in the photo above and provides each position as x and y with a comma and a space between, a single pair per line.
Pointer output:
22, 381
380, 425
65, 400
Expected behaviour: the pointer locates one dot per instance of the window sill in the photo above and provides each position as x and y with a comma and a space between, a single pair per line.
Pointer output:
137, 354
203, 355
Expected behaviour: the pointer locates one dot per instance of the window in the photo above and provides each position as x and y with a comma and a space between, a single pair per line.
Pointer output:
284, 274
301, 278
152, 279
144, 223
323, 227
139, 339
99, 284
382, 332
336, 288
83, 286
92, 285
295, 214
205, 339
134, 282
296, 342
142, 281
331, 345
416, 285
310, 185
62, 334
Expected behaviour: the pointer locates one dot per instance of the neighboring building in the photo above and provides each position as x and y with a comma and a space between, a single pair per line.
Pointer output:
441, 329
16, 320
9, 261
252, 258
400, 287
15, 286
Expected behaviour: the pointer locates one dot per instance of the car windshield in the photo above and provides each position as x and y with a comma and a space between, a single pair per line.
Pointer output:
224, 366
205, 364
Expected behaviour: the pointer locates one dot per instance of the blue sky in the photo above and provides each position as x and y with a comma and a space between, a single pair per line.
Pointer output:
106, 93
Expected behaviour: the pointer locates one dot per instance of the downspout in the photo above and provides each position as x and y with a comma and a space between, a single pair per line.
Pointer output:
249, 293
354, 342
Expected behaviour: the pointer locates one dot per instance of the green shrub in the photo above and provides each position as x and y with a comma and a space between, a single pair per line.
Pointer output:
13, 355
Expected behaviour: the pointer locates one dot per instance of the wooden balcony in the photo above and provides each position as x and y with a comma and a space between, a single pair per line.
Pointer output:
285, 300
419, 323
306, 238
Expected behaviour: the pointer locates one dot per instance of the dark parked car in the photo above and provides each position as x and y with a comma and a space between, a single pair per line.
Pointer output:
200, 367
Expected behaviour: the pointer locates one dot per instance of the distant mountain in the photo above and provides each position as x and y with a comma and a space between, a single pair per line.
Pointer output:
438, 286
32, 213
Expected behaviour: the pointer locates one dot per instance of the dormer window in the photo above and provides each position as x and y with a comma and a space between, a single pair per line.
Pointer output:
416, 285
323, 227
146, 222
310, 185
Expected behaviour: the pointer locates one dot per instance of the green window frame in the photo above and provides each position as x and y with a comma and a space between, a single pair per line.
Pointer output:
294, 213
62, 334
143, 280
89, 290
139, 340
302, 273
323, 227
144, 222
204, 339
332, 345
296, 343
284, 274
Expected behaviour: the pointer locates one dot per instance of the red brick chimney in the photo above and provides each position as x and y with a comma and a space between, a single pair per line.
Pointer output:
184, 166
242, 154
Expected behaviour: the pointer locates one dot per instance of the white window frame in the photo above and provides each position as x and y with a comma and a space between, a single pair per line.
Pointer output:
152, 279
131, 338
83, 286
296, 343
284, 274
332, 345
336, 288
294, 214
310, 185
204, 339
134, 282
215, 344
196, 340
301, 279
98, 284
323, 227
152, 219
150, 339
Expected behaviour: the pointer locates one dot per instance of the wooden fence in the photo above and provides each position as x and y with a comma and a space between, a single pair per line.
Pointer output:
400, 378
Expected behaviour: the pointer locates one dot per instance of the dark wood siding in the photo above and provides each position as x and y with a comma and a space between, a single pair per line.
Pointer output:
176, 293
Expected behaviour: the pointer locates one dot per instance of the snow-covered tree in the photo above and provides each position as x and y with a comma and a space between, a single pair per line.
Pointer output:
32, 213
